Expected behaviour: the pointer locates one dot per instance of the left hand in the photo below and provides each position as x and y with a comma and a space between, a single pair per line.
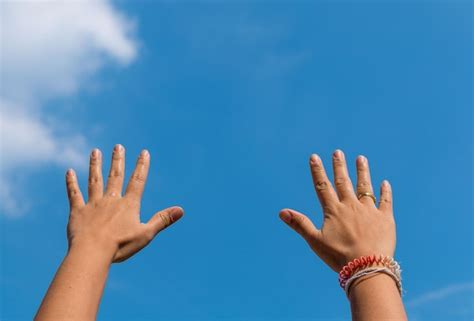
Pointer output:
110, 221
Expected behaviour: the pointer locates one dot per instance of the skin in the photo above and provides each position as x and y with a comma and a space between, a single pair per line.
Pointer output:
352, 228
103, 231
107, 229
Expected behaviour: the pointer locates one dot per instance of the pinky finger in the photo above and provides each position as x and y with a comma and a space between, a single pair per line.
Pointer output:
385, 204
73, 191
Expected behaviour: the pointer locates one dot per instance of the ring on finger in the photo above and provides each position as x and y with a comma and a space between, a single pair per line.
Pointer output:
372, 196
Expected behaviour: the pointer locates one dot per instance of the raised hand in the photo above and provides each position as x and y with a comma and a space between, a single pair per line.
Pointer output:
353, 224
106, 229
110, 220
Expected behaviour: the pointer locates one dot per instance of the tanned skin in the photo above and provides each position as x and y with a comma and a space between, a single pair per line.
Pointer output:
105, 230
353, 228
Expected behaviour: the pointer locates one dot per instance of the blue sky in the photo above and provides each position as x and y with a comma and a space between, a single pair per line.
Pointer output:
231, 99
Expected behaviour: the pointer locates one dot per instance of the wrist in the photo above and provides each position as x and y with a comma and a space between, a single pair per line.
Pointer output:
372, 284
365, 266
93, 249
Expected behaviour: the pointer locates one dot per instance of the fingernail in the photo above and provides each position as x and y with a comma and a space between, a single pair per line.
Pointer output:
286, 217
362, 159
118, 148
70, 172
176, 214
95, 153
386, 183
314, 159
338, 153
144, 153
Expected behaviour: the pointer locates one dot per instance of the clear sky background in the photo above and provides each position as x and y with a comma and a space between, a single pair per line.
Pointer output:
231, 98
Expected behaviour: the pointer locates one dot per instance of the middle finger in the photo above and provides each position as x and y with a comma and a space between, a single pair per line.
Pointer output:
116, 174
342, 180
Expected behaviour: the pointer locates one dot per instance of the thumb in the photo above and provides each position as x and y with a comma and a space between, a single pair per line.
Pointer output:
164, 218
301, 224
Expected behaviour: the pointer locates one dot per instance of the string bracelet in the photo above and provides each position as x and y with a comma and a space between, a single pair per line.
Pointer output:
370, 264
367, 261
369, 271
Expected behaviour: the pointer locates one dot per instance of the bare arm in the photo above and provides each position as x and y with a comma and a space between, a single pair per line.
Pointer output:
353, 227
376, 298
77, 287
105, 230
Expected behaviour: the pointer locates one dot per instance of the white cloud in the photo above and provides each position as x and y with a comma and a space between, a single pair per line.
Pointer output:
26, 139
442, 293
451, 302
50, 49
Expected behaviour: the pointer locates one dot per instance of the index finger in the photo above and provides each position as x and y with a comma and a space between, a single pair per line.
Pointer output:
326, 194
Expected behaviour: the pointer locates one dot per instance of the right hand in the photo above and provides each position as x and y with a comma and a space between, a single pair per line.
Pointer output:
351, 227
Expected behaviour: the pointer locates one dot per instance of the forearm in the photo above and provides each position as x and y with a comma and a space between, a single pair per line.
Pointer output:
376, 298
78, 284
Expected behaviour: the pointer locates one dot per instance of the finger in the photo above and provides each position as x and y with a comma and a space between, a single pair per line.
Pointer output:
385, 203
136, 185
364, 184
96, 182
326, 194
73, 191
163, 219
301, 224
341, 176
116, 174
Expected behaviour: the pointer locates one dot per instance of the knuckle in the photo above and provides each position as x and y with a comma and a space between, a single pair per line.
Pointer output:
363, 185
94, 161
93, 180
116, 173
138, 177
322, 185
117, 156
141, 161
339, 162
385, 200
72, 188
134, 203
166, 219
299, 219
317, 167
74, 192
300, 222
112, 194
340, 181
